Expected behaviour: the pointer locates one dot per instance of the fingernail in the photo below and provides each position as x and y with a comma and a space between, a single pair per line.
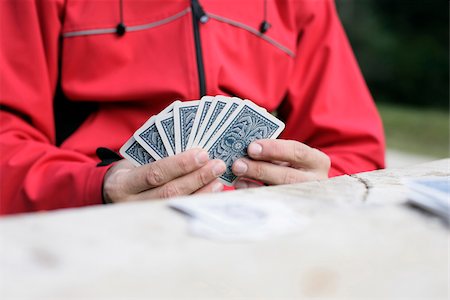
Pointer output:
217, 187
201, 157
254, 149
241, 184
240, 167
218, 168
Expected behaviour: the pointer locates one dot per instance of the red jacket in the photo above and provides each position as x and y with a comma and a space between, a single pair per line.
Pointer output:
67, 54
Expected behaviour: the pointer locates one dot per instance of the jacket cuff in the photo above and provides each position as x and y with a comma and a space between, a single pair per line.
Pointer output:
93, 193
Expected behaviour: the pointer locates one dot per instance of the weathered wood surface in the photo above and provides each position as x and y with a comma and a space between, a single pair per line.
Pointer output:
363, 242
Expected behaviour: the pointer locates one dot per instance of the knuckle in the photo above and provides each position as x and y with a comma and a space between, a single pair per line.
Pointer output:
203, 178
260, 171
155, 176
290, 178
184, 163
323, 160
300, 152
169, 191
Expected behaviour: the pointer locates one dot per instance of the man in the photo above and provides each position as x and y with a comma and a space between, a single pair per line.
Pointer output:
77, 75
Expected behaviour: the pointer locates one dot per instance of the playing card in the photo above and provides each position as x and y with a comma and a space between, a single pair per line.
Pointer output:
135, 153
232, 219
169, 108
246, 124
430, 193
436, 186
223, 116
183, 119
148, 137
203, 107
223, 126
165, 126
218, 104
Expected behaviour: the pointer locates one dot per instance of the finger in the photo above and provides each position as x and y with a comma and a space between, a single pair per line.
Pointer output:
296, 153
270, 173
244, 183
187, 184
212, 187
162, 171
281, 163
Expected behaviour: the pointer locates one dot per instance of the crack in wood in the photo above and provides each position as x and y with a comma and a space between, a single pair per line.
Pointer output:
367, 185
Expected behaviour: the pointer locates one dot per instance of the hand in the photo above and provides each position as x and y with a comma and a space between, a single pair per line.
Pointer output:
183, 174
280, 162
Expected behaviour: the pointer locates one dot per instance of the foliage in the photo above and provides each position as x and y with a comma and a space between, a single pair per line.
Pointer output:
416, 130
402, 48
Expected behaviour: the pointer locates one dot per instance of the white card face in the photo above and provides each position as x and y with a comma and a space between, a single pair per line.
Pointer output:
232, 105
165, 126
135, 153
184, 115
239, 219
215, 109
431, 193
148, 137
246, 124
203, 107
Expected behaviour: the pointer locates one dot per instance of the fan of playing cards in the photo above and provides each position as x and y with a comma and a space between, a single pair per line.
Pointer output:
223, 126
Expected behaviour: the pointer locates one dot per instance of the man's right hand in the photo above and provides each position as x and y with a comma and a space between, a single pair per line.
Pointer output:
183, 174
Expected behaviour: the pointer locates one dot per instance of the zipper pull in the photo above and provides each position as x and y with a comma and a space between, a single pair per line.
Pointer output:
198, 12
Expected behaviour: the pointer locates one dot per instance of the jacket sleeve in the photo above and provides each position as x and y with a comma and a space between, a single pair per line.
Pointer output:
328, 105
35, 174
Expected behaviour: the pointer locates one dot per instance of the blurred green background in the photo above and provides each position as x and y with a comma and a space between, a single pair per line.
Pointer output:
403, 51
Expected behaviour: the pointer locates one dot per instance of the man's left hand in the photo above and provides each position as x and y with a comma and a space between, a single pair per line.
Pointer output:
280, 162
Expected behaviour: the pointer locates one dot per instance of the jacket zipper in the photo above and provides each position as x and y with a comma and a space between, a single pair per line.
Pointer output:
199, 16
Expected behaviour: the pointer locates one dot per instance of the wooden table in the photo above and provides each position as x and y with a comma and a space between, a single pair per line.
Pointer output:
363, 241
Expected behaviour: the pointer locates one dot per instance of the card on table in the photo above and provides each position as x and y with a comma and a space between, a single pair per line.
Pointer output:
231, 219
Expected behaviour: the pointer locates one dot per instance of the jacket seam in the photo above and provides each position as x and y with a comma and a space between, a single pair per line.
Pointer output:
253, 31
109, 30
98, 31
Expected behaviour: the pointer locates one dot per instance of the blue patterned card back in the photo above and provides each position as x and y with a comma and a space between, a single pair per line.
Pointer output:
168, 128
224, 119
138, 153
151, 137
203, 116
217, 110
187, 117
248, 125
